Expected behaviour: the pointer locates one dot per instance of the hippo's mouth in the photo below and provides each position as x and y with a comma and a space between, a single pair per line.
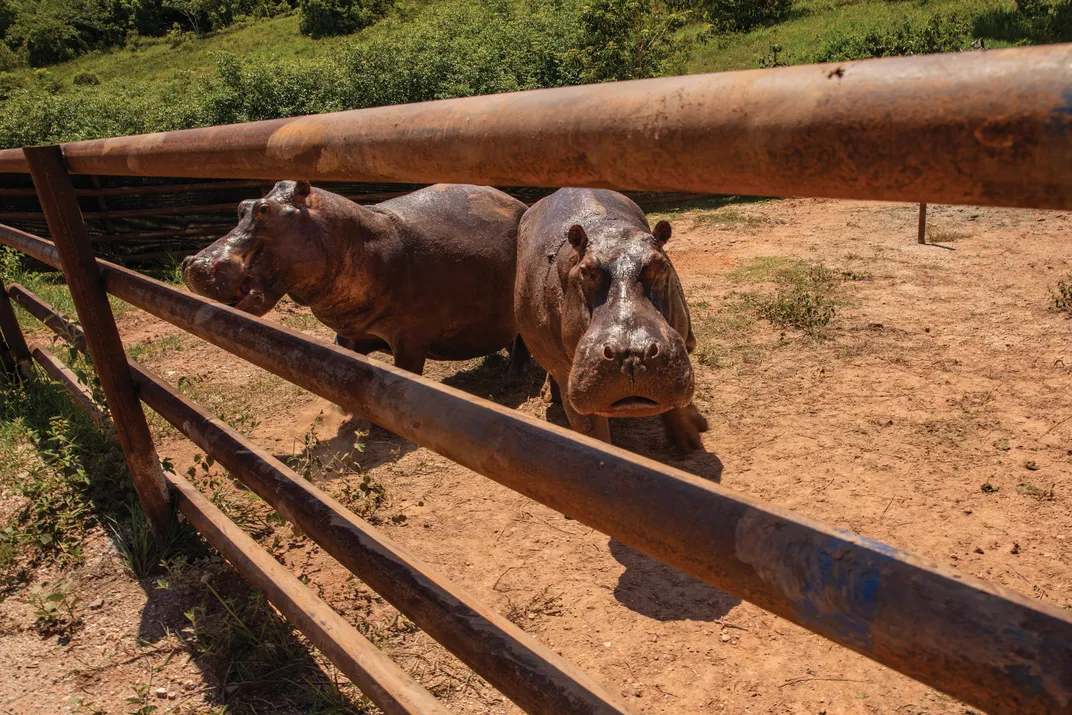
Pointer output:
633, 406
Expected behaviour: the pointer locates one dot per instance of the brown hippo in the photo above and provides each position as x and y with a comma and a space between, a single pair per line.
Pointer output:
600, 307
426, 275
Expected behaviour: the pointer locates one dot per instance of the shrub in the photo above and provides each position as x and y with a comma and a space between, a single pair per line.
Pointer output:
1062, 297
628, 39
1032, 22
942, 33
83, 79
744, 15
52, 31
321, 18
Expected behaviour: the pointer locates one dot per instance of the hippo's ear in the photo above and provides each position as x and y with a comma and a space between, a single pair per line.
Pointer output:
577, 237
302, 189
662, 232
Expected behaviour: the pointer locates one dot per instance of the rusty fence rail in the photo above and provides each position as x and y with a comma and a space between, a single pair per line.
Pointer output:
986, 128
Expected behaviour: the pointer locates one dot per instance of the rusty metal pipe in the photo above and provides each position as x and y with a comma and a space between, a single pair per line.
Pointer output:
989, 646
987, 128
78, 390
527, 672
387, 685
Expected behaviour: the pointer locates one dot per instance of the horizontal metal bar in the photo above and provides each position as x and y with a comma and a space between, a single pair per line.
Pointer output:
127, 213
385, 684
63, 375
213, 230
173, 188
529, 673
989, 646
987, 128
48, 315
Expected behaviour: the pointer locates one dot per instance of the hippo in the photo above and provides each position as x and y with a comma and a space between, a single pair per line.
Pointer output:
426, 275
600, 307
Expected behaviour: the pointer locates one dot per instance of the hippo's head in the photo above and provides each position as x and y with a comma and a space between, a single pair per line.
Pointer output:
625, 313
275, 249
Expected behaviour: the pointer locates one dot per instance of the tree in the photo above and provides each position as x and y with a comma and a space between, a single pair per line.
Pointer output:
628, 39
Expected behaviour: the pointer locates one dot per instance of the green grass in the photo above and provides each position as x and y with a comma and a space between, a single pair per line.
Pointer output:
48, 286
815, 23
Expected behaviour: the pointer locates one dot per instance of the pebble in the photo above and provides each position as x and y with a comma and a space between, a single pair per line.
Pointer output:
726, 637
161, 693
97, 605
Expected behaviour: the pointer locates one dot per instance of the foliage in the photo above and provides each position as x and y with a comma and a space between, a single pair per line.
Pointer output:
1031, 22
1062, 297
805, 310
54, 609
66, 472
942, 33
52, 31
744, 15
85, 78
321, 18
144, 551
628, 39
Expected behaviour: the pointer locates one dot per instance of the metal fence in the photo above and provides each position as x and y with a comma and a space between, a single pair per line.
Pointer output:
991, 128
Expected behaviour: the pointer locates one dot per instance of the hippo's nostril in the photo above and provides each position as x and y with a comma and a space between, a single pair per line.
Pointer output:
651, 352
609, 353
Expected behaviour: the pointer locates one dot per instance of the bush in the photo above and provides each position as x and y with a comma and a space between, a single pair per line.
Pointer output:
52, 31
628, 39
1032, 22
321, 18
744, 15
83, 79
942, 33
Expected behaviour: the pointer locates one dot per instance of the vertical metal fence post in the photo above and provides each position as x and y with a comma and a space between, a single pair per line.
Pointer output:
922, 237
65, 223
13, 348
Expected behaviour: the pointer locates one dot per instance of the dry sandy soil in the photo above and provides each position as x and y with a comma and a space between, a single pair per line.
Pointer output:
944, 369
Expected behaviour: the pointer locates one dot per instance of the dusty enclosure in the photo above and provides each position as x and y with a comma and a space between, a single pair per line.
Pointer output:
916, 394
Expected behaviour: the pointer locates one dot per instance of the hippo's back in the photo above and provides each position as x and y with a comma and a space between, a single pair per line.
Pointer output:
455, 273
458, 216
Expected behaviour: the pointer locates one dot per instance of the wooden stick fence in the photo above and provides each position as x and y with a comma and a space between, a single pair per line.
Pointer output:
991, 647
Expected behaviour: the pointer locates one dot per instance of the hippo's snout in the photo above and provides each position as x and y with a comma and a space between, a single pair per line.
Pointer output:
631, 373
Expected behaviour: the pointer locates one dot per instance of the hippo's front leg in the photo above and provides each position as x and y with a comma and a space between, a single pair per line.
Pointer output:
683, 426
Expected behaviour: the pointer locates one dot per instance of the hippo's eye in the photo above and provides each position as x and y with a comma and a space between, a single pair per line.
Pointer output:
263, 209
654, 270
589, 273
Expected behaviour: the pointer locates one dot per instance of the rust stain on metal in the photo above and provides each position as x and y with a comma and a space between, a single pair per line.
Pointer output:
985, 128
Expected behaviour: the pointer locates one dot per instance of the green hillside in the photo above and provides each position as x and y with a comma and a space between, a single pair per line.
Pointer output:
261, 65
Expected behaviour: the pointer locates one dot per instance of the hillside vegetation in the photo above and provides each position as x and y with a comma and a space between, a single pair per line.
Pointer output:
223, 61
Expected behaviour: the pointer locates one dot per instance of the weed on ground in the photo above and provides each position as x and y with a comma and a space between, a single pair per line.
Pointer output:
1062, 296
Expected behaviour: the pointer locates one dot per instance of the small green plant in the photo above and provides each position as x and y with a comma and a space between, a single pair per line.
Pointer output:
54, 608
1062, 297
141, 699
802, 309
258, 648
143, 550
307, 462
365, 498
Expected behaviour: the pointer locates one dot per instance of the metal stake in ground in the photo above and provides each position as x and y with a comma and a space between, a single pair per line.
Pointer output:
922, 223
64, 217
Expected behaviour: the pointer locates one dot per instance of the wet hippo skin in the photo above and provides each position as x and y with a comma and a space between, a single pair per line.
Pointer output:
426, 275
600, 307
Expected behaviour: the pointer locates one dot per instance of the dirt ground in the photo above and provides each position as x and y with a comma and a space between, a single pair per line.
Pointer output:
934, 413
